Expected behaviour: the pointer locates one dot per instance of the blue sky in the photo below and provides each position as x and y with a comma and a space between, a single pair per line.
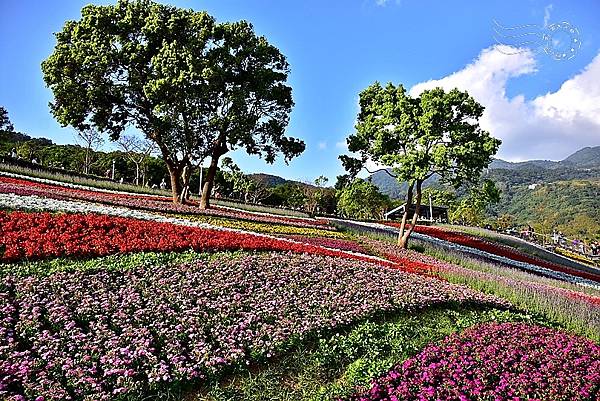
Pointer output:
540, 107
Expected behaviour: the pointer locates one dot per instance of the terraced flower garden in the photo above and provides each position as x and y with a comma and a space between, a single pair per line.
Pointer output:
114, 296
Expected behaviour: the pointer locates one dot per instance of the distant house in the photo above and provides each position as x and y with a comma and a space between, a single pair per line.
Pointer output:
532, 186
426, 212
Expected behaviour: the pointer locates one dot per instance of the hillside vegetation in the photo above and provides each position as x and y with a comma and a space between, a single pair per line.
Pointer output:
572, 207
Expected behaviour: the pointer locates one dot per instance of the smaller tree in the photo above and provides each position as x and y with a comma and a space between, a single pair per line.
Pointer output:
31, 149
315, 196
362, 200
137, 150
257, 190
471, 208
436, 133
5, 124
91, 140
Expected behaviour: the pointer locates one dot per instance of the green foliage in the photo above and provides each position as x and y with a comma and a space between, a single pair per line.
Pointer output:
289, 194
434, 133
342, 181
195, 87
472, 207
572, 207
317, 198
362, 200
5, 124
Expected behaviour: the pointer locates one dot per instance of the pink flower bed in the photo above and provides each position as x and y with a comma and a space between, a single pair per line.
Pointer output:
499, 362
341, 244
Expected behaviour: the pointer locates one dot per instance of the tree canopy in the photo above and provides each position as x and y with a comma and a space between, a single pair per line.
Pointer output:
5, 124
436, 132
196, 87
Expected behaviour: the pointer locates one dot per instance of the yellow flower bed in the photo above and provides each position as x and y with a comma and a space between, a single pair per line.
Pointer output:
266, 228
574, 255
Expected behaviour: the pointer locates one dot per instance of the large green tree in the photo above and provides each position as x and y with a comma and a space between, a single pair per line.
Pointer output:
434, 133
195, 87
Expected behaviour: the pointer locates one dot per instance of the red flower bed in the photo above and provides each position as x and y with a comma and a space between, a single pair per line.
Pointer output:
44, 235
144, 202
496, 249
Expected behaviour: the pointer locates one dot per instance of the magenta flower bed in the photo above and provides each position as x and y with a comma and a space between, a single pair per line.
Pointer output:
497, 362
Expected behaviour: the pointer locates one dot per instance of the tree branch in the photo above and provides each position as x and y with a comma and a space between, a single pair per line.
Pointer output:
381, 169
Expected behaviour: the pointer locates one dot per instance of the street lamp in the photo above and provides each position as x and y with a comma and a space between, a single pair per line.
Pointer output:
113, 169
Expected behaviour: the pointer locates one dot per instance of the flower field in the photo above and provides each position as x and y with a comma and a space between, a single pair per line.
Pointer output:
565, 303
266, 228
112, 296
499, 362
99, 335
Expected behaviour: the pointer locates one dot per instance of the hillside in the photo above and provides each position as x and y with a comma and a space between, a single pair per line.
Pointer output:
572, 207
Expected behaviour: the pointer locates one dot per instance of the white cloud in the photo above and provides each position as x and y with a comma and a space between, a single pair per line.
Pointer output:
547, 11
382, 3
322, 145
551, 126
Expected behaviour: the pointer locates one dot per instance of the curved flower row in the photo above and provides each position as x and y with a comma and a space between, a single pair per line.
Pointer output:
500, 362
108, 334
144, 202
537, 294
497, 249
341, 244
574, 276
267, 228
42, 235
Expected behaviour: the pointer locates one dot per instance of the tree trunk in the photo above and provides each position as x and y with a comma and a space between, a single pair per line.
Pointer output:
175, 173
408, 204
86, 167
209, 181
137, 173
219, 149
185, 179
404, 239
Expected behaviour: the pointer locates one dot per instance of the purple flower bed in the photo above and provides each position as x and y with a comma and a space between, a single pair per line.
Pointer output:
108, 334
499, 362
